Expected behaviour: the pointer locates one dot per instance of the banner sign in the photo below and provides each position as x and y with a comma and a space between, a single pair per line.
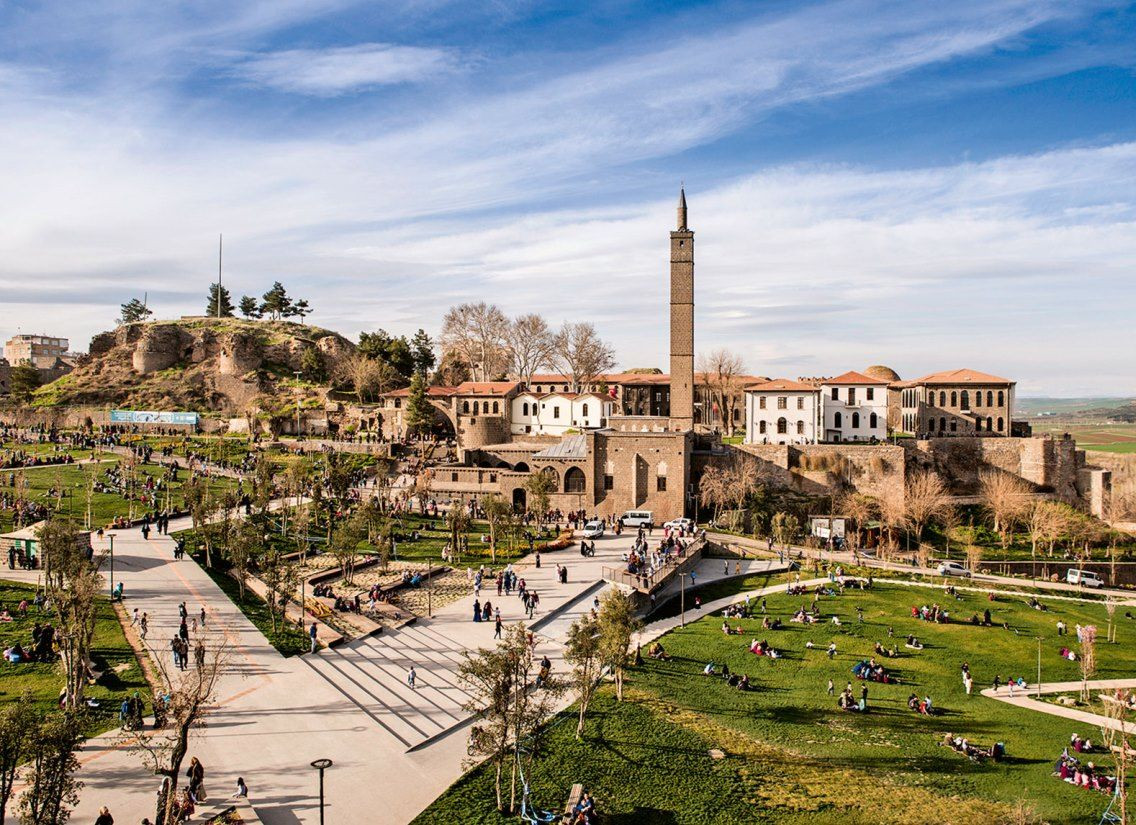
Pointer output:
153, 417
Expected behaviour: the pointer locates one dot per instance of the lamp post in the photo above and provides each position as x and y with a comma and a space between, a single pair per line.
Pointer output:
1039, 668
429, 591
682, 598
110, 538
321, 765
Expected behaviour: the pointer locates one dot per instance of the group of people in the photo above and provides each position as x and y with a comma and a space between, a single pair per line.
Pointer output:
732, 679
934, 613
873, 671
846, 701
960, 744
44, 645
1084, 775
18, 459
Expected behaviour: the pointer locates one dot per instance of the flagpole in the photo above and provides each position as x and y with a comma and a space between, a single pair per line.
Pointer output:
220, 248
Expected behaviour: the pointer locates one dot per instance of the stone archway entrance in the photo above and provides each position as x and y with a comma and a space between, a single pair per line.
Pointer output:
520, 500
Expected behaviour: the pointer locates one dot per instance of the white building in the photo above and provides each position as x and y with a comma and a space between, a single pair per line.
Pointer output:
558, 412
854, 407
781, 412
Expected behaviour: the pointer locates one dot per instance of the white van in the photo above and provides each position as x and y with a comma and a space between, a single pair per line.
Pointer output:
1085, 578
638, 518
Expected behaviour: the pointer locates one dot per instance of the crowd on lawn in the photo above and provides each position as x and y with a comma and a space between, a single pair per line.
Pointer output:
1070, 769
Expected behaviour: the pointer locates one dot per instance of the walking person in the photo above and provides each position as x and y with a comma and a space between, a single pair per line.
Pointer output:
497, 629
202, 617
199, 654
312, 636
196, 774
411, 678
175, 646
134, 619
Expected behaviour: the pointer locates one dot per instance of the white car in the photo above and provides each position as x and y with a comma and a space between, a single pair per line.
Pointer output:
594, 530
953, 568
684, 524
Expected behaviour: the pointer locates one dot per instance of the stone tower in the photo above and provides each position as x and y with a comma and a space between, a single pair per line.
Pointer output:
682, 323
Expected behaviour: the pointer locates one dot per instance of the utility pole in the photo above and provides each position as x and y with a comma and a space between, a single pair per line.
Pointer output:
220, 247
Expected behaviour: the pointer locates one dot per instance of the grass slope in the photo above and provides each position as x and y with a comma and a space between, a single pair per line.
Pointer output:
794, 757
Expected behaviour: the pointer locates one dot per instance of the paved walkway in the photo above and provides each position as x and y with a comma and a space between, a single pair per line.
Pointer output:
1026, 699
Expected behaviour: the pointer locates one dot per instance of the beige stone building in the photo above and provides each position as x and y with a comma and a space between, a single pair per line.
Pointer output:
41, 351
954, 403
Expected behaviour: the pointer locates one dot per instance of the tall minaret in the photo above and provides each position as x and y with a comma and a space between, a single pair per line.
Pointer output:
682, 322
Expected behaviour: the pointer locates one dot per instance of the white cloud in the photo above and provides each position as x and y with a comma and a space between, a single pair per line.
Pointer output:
336, 71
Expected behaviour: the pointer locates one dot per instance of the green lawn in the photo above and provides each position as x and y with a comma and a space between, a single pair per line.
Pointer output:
44, 680
794, 757
72, 480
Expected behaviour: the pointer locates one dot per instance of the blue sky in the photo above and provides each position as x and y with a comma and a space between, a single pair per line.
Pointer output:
928, 185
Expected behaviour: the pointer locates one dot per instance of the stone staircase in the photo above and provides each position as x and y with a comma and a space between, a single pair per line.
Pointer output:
371, 674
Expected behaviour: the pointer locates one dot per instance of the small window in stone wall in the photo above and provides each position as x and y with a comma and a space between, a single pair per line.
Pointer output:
661, 484
870, 393
453, 476
609, 483
492, 478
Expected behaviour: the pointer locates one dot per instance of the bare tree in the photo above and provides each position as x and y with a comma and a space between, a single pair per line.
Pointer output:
859, 508
497, 510
1007, 498
72, 583
720, 374
477, 333
189, 698
367, 376
616, 625
580, 353
1116, 736
924, 498
712, 490
529, 342
582, 651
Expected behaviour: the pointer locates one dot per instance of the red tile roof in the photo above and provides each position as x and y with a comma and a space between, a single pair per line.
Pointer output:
430, 391
853, 377
781, 385
485, 388
963, 376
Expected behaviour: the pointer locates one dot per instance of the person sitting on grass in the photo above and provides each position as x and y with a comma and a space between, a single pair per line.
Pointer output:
709, 669
657, 652
913, 643
743, 683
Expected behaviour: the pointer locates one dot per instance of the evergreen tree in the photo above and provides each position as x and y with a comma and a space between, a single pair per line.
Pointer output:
395, 351
225, 299
422, 352
419, 411
23, 380
134, 311
249, 307
276, 304
311, 365
302, 309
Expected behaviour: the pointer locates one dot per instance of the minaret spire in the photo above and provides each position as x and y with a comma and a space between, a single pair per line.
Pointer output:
681, 208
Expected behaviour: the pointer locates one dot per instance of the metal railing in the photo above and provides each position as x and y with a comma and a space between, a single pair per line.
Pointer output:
649, 582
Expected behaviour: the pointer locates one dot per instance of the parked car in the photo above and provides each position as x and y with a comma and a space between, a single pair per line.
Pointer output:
1085, 578
680, 524
594, 530
953, 568
638, 518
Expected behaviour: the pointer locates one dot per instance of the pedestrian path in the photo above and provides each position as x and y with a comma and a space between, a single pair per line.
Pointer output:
1026, 698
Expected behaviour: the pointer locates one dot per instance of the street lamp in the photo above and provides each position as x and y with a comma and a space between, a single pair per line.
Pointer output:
682, 597
110, 537
321, 765
1039, 668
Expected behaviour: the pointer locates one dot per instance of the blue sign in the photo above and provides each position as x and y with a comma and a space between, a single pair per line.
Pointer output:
153, 417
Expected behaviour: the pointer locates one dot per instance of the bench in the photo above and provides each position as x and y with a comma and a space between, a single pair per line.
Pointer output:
574, 797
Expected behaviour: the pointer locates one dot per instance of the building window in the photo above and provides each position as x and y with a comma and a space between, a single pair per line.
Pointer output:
855, 420
999, 425
800, 402
873, 421
835, 393
453, 476
551, 473
954, 398
1001, 401
492, 478
525, 408
782, 402
954, 425
978, 425
584, 410
496, 409
661, 484
942, 424
761, 402
397, 403
609, 483
989, 398
476, 409
782, 426
800, 428
838, 421
556, 412
761, 427
965, 400
465, 406
851, 395
989, 424
574, 480
942, 398
870, 393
